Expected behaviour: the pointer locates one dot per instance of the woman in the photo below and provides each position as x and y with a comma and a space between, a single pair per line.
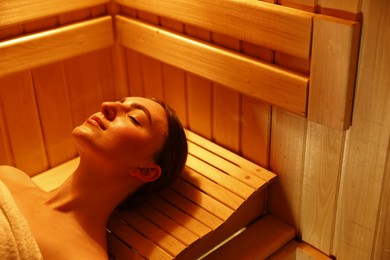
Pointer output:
132, 147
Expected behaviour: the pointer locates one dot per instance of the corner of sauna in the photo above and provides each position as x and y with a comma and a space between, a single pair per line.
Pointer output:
269, 116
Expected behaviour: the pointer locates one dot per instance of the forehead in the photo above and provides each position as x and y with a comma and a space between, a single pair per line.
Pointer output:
149, 106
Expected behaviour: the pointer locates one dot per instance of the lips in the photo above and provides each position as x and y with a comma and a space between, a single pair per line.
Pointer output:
97, 121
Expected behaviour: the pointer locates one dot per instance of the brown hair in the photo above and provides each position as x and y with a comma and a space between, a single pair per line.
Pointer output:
171, 158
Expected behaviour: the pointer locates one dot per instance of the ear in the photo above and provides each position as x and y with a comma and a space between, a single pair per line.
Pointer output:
146, 174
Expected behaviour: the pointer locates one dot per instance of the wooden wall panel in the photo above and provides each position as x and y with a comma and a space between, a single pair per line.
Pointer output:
255, 131
23, 122
323, 164
199, 93
287, 151
364, 178
54, 110
175, 79
13, 12
5, 149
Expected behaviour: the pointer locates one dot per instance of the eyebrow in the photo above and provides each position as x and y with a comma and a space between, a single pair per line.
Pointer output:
141, 107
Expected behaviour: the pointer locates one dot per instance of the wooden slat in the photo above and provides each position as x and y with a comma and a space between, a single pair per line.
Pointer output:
333, 71
55, 45
230, 156
226, 166
144, 246
119, 250
152, 232
213, 189
205, 201
169, 225
271, 26
244, 74
258, 241
191, 208
13, 12
220, 177
186, 220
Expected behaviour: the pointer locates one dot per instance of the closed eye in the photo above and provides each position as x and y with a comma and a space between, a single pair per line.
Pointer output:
135, 121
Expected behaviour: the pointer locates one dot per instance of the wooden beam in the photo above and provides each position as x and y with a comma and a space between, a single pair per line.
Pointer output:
333, 70
13, 12
252, 77
54, 45
271, 26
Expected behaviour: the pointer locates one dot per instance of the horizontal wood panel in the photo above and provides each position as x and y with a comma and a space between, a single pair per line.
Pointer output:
55, 45
272, 26
261, 80
13, 12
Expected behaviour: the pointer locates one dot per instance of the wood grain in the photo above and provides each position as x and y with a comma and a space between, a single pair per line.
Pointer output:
333, 71
293, 27
13, 12
261, 80
55, 45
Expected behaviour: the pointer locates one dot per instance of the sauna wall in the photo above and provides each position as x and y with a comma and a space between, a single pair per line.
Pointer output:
333, 185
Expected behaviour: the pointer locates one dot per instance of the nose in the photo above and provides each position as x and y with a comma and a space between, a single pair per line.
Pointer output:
109, 110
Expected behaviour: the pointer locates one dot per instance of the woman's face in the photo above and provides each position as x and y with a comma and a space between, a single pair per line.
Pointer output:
126, 133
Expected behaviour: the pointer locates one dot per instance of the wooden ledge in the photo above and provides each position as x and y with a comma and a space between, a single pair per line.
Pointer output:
55, 45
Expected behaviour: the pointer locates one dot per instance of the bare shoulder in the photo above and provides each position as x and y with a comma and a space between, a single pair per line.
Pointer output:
13, 177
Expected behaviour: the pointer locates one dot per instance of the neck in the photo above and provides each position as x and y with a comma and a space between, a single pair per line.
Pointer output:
90, 195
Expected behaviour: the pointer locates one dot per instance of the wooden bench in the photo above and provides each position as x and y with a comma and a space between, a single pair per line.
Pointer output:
218, 194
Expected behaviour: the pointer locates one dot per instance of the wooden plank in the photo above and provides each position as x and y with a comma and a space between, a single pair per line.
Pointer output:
119, 250
199, 103
54, 45
152, 232
223, 179
212, 188
169, 225
229, 168
230, 156
244, 74
367, 154
307, 252
134, 73
268, 25
322, 173
331, 93
5, 149
145, 247
182, 218
23, 123
258, 241
55, 114
191, 208
13, 12
226, 115
286, 159
255, 134
203, 200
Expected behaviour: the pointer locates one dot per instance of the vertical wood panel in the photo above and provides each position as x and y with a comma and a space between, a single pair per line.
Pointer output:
362, 183
55, 113
23, 123
134, 72
288, 135
323, 159
175, 79
5, 149
199, 94
226, 105
199, 91
151, 68
255, 130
